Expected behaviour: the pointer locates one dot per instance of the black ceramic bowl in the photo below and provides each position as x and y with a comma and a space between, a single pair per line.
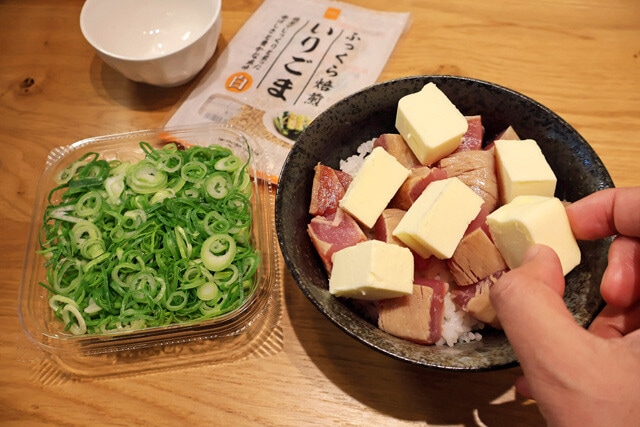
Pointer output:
337, 132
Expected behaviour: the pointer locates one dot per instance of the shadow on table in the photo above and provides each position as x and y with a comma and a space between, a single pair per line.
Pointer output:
114, 87
403, 391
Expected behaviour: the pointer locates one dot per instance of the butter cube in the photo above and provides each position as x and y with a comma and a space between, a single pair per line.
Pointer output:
432, 126
523, 170
437, 220
374, 185
528, 220
372, 270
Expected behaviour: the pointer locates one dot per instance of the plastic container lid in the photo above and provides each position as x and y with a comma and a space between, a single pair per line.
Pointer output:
221, 339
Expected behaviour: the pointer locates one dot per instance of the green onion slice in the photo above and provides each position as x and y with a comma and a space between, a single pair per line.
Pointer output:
167, 239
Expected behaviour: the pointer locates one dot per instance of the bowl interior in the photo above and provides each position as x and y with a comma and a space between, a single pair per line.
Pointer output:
146, 29
336, 133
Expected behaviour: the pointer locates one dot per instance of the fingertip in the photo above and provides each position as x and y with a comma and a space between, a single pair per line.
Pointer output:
522, 387
605, 213
531, 253
612, 288
620, 285
528, 302
542, 264
539, 250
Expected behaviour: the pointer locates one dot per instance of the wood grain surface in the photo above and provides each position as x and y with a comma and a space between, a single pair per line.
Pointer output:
581, 58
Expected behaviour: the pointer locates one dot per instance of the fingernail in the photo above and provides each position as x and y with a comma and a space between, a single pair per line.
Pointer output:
531, 253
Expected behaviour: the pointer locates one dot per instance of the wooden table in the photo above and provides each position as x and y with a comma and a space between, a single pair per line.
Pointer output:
580, 58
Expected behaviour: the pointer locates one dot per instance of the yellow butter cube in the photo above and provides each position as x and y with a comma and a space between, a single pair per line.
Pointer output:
529, 220
523, 170
437, 220
432, 126
377, 181
372, 270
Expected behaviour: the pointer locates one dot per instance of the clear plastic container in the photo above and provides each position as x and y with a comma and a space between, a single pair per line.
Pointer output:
222, 339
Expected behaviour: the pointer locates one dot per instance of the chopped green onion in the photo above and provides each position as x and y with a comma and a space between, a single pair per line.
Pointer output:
177, 301
89, 204
217, 185
208, 291
160, 241
92, 308
218, 252
184, 245
80, 326
229, 163
144, 177
114, 186
193, 171
170, 162
160, 195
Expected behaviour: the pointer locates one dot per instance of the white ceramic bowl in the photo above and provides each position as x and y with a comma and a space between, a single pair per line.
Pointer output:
159, 42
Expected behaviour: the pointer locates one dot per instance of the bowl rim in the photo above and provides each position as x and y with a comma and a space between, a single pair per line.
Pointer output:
91, 39
296, 273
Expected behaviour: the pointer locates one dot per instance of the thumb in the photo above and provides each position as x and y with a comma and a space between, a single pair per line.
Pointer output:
528, 302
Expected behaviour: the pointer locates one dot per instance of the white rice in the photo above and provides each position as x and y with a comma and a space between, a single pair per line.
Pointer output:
458, 325
352, 164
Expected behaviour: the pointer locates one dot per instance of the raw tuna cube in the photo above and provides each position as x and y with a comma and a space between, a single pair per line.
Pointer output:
472, 139
334, 232
475, 168
480, 221
509, 133
475, 300
475, 258
414, 185
329, 186
431, 268
417, 317
386, 223
395, 145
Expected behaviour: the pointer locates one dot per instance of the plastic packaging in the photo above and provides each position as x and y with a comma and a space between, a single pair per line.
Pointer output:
221, 339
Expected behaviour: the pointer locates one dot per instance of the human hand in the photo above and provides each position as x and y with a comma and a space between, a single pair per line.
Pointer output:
580, 377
